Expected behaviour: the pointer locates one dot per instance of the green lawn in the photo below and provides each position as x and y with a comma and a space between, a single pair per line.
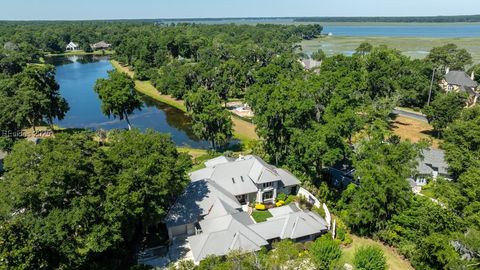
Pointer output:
261, 216
81, 52
416, 47
394, 260
243, 130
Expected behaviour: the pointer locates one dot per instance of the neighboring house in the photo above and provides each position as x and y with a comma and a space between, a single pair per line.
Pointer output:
102, 45
341, 175
310, 64
431, 166
2, 157
72, 47
459, 81
211, 210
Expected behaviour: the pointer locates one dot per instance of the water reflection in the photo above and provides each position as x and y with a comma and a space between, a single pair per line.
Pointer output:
77, 76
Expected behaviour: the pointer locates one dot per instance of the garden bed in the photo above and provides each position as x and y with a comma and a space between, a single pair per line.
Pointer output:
261, 216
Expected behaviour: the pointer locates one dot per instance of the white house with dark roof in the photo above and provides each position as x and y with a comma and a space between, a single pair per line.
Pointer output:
72, 46
459, 81
211, 215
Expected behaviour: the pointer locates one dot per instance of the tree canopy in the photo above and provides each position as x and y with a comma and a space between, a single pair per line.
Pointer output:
118, 96
69, 203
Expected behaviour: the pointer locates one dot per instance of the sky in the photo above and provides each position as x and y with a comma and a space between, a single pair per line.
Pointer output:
152, 9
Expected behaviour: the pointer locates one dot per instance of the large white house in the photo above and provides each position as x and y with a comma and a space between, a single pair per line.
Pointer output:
72, 47
212, 212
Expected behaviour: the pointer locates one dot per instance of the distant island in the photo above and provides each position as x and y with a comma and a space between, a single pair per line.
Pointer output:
430, 19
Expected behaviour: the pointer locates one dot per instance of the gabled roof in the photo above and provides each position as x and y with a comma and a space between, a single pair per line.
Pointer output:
197, 201
233, 177
223, 234
288, 179
217, 161
220, 209
71, 45
433, 159
201, 174
460, 78
290, 222
242, 176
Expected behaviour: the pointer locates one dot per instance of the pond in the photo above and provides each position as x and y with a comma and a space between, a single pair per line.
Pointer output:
77, 75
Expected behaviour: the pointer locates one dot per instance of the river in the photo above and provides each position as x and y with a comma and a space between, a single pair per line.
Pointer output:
367, 29
77, 75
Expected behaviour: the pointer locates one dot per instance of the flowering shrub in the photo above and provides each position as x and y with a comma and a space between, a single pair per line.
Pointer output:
260, 207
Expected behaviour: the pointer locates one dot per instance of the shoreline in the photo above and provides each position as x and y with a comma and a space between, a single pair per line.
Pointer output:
82, 53
242, 130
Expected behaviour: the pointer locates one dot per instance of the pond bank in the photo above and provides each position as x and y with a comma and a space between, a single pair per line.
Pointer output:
82, 53
243, 130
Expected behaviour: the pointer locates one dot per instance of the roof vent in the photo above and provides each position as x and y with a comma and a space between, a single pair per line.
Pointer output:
241, 177
233, 180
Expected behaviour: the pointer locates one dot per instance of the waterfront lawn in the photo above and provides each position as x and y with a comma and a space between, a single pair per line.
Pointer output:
243, 130
81, 52
261, 216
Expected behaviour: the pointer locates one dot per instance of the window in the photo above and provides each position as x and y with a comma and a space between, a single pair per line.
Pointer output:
270, 184
268, 195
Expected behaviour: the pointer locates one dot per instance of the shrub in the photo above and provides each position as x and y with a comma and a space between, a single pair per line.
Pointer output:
279, 203
281, 197
290, 199
325, 252
260, 207
319, 210
370, 258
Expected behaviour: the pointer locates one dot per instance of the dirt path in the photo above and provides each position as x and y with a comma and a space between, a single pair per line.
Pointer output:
243, 130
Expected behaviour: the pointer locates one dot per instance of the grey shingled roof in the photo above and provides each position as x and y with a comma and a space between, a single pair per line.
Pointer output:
197, 201
223, 234
460, 78
433, 158
101, 44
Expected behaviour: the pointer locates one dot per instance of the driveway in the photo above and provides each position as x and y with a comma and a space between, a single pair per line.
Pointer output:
409, 114
178, 251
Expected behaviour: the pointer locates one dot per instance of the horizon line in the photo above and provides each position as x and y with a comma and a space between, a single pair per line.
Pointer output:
232, 18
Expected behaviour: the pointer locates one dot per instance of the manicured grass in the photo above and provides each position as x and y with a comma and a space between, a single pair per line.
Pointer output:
416, 47
81, 52
243, 130
414, 130
394, 260
261, 216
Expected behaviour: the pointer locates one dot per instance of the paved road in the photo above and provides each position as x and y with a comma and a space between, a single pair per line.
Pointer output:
408, 114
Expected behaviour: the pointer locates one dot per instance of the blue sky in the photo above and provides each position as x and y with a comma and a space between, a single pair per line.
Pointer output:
135, 9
